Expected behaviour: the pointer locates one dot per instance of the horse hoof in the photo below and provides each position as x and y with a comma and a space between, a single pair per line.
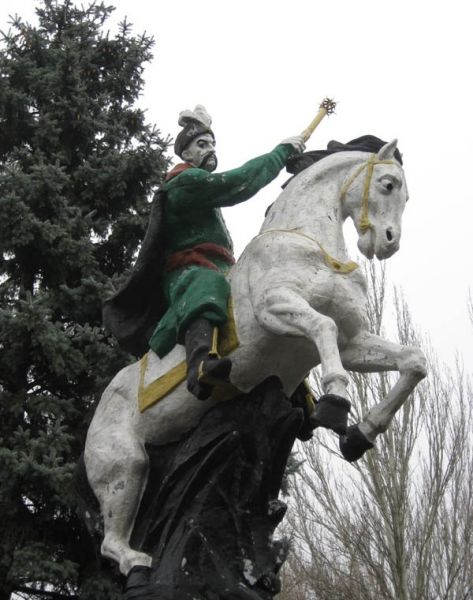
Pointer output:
331, 412
137, 582
354, 444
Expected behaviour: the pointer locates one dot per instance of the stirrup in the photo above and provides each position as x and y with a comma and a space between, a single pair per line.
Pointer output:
213, 352
214, 371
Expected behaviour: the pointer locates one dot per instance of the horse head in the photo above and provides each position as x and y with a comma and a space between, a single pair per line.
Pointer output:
374, 196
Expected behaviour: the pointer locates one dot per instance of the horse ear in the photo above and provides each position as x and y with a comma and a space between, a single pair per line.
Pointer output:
387, 151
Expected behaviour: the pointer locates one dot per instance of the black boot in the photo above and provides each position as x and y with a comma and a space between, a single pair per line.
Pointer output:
205, 368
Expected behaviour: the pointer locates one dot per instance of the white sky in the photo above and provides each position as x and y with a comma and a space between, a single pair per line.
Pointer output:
399, 69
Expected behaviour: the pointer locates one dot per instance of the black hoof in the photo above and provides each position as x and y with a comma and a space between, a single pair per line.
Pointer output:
331, 412
354, 444
137, 583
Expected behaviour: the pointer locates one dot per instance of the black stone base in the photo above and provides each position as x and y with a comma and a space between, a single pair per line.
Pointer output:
211, 506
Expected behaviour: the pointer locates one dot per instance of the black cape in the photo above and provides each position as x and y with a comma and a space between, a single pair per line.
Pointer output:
132, 314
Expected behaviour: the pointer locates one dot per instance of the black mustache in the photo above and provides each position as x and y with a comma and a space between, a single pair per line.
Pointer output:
207, 157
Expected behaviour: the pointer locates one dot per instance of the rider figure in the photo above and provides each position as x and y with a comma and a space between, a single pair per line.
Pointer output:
178, 291
198, 248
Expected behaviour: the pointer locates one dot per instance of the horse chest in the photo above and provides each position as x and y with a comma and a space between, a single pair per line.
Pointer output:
342, 297
326, 287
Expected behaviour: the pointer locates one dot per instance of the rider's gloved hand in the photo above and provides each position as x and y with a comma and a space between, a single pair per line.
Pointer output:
297, 142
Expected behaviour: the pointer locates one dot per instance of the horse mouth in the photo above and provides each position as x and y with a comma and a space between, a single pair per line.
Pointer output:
370, 246
386, 250
366, 244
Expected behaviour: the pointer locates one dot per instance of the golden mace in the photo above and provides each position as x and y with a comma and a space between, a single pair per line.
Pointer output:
327, 107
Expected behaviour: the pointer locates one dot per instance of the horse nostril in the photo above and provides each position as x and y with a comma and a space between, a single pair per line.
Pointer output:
389, 235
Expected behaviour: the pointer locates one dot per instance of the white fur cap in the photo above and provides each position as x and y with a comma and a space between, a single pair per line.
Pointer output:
199, 114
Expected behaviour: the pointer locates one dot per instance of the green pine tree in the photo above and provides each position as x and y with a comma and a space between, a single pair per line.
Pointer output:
78, 164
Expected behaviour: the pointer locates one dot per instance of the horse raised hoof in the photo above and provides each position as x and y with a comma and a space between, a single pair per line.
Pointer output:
354, 444
331, 412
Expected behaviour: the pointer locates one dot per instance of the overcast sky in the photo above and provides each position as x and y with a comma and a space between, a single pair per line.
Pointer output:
397, 69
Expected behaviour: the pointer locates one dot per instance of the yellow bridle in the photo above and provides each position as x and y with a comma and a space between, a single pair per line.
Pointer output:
336, 265
369, 165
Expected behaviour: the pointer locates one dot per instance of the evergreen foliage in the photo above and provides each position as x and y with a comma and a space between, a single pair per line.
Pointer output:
77, 166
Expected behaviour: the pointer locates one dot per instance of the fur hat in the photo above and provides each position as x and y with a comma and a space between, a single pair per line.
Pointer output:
194, 123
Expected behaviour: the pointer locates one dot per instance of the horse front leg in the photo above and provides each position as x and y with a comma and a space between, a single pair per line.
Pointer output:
370, 353
284, 312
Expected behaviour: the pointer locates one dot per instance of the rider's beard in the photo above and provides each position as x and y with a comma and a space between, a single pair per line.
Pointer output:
209, 162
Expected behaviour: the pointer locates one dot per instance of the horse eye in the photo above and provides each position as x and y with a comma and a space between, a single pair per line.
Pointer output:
387, 184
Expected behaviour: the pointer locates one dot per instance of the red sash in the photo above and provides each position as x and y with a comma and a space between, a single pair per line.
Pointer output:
198, 256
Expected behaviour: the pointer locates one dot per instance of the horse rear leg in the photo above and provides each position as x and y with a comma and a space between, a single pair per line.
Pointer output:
370, 353
117, 470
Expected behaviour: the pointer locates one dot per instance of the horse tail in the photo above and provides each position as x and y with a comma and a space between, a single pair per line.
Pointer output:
87, 505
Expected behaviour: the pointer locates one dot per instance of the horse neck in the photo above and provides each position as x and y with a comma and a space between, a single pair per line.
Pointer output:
311, 203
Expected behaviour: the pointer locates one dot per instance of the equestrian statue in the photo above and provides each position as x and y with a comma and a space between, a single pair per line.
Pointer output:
187, 448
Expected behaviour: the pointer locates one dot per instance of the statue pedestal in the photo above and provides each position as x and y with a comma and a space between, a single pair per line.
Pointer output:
211, 505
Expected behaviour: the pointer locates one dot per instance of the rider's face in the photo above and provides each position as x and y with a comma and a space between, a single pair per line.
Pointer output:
201, 152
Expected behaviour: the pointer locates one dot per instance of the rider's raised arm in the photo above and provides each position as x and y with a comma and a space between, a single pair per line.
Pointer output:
199, 188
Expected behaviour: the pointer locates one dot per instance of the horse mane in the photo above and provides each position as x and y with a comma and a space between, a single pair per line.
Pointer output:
365, 143
329, 161
309, 159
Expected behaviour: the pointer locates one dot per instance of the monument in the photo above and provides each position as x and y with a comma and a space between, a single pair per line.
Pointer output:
188, 446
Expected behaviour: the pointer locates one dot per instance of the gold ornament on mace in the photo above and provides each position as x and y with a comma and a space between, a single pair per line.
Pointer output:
327, 107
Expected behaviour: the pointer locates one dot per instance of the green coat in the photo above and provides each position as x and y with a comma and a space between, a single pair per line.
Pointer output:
192, 216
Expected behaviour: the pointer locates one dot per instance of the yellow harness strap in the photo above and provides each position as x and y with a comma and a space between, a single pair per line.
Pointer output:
159, 388
335, 264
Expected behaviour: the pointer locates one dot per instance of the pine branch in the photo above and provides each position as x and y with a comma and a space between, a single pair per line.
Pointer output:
45, 594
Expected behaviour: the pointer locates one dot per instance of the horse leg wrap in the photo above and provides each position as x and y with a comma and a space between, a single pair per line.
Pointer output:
354, 444
331, 412
204, 367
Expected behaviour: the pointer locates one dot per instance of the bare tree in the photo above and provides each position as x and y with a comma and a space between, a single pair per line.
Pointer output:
398, 524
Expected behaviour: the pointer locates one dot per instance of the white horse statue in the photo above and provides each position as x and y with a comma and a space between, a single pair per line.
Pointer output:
298, 302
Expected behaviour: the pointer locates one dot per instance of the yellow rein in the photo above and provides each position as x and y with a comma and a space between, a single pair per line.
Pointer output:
369, 165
